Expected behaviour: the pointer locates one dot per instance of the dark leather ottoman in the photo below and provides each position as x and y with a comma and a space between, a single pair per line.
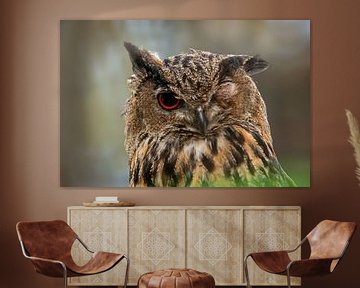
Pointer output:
176, 278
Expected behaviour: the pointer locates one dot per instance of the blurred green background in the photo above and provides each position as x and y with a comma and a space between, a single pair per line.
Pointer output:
94, 67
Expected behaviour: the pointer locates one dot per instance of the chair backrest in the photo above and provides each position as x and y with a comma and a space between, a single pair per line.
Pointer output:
329, 239
46, 239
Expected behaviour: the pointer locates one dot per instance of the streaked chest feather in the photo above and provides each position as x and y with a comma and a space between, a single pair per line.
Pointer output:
232, 157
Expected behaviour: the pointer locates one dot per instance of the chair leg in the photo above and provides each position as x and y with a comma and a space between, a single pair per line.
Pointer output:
127, 271
65, 275
246, 272
288, 278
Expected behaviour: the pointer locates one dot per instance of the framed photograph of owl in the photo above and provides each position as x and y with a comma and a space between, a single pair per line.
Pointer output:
195, 103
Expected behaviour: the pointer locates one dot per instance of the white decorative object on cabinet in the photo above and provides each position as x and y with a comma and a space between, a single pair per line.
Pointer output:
211, 239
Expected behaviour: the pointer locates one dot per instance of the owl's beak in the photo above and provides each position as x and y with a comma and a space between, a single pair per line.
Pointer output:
201, 120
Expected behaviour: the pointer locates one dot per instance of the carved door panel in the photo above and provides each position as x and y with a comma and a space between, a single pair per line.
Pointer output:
101, 230
156, 240
214, 244
270, 229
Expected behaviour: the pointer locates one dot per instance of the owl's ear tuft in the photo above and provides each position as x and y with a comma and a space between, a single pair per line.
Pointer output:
230, 65
255, 65
143, 62
136, 57
251, 65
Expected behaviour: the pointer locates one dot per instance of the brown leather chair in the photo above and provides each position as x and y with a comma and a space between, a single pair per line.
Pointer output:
328, 242
48, 245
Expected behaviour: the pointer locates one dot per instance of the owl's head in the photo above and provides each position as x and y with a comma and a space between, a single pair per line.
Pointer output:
195, 94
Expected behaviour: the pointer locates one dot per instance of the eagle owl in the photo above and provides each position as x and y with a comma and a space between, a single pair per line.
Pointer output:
198, 120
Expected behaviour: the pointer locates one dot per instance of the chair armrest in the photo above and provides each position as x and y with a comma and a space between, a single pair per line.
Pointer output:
309, 267
46, 260
48, 267
298, 246
84, 245
268, 253
281, 251
271, 261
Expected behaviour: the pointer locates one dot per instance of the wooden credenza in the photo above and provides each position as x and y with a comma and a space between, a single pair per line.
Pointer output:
211, 239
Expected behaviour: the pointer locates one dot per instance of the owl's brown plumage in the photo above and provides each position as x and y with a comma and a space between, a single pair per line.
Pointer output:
198, 119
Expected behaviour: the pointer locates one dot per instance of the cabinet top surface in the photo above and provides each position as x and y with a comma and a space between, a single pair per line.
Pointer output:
193, 207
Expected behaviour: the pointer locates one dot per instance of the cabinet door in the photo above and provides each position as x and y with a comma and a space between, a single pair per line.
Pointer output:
156, 240
267, 230
101, 230
214, 244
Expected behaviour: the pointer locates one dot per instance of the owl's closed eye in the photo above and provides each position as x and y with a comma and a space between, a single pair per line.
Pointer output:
198, 119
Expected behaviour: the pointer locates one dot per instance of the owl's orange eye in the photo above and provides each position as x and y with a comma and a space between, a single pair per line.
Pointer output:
168, 101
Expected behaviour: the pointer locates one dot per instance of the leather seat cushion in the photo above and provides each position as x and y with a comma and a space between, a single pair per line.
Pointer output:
176, 278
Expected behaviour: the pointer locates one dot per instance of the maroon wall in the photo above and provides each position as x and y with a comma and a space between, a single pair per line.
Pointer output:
29, 119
